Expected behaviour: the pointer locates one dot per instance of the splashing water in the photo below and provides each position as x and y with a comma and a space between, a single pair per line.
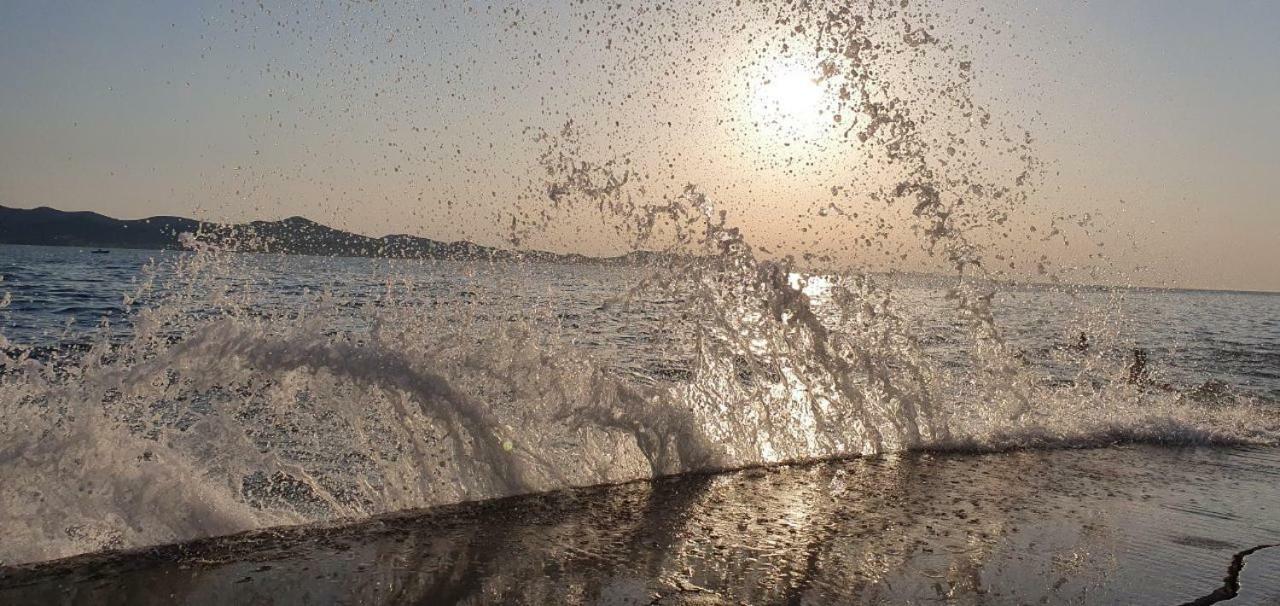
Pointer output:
216, 413
215, 416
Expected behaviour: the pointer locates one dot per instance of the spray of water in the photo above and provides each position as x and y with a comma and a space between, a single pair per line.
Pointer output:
217, 414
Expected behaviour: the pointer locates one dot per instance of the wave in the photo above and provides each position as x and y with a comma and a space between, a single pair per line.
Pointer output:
206, 424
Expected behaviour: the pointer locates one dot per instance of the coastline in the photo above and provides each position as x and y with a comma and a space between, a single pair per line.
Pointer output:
1129, 524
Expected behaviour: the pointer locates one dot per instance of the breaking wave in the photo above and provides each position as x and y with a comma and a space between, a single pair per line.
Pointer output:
210, 421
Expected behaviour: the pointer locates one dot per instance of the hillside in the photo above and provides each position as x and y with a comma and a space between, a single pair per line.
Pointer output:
296, 235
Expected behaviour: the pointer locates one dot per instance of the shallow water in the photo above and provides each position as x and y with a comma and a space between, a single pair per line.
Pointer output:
1133, 525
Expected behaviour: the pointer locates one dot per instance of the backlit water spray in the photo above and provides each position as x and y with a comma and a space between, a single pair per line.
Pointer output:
218, 412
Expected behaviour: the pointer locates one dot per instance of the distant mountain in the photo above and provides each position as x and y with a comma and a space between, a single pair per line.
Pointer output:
296, 235
49, 227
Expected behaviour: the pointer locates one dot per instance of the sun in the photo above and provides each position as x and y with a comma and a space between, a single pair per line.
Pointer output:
788, 103
794, 93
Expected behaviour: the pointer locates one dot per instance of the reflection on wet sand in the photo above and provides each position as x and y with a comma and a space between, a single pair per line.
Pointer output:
1129, 524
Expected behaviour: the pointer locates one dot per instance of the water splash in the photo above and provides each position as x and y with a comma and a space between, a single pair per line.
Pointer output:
218, 416
218, 413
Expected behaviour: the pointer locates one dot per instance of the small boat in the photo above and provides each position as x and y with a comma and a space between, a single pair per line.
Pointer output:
100, 251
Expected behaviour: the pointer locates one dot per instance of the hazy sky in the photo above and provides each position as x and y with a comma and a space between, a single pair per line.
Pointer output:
1160, 119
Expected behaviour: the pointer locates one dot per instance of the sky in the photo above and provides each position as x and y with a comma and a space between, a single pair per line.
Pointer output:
1154, 127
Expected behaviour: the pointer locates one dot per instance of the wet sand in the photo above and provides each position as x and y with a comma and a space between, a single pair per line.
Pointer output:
1128, 524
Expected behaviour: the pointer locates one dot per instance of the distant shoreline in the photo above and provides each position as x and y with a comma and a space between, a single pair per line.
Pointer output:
46, 226
513, 257
299, 236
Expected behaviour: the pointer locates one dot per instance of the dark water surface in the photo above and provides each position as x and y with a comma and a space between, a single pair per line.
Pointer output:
1126, 525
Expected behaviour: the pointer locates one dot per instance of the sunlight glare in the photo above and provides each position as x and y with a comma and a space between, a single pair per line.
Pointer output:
795, 94
789, 103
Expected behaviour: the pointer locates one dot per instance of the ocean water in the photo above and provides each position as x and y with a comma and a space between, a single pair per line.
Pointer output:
152, 397
1220, 340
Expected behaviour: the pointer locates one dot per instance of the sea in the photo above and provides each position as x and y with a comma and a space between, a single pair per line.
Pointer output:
201, 424
1213, 339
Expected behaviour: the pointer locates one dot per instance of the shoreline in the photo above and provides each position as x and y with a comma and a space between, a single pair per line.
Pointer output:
1065, 525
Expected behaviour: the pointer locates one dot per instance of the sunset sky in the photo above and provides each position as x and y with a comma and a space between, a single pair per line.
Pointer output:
1160, 121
